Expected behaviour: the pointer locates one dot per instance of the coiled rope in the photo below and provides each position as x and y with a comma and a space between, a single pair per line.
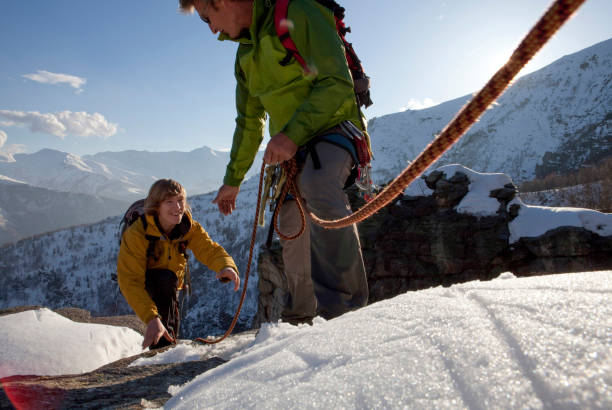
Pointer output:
557, 14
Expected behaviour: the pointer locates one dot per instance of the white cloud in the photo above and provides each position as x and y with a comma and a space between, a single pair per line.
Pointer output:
414, 104
7, 151
60, 124
46, 77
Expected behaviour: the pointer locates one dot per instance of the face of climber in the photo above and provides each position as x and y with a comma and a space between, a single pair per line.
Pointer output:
171, 211
230, 17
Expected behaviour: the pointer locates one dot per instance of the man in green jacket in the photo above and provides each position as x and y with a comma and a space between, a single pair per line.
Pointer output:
324, 268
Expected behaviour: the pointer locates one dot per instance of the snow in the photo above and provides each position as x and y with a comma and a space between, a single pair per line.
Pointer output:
533, 221
418, 187
540, 342
477, 201
41, 342
537, 342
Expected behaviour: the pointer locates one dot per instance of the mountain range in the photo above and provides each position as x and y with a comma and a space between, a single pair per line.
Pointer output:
559, 117
124, 175
554, 120
26, 210
86, 189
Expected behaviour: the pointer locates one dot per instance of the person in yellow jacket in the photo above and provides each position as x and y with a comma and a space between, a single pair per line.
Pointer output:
152, 261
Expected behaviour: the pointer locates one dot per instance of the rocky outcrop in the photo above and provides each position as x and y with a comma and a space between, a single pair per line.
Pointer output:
421, 241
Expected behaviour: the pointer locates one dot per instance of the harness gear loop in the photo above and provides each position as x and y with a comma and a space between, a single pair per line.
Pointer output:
290, 168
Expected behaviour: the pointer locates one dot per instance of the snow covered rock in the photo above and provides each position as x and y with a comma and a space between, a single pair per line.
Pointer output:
456, 225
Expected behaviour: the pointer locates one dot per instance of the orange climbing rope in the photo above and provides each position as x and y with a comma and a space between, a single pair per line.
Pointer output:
546, 27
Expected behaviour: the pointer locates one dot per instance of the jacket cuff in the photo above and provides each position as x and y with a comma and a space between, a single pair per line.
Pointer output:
150, 316
231, 181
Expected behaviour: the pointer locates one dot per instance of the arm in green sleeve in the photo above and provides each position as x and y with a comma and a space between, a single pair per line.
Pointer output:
317, 40
248, 134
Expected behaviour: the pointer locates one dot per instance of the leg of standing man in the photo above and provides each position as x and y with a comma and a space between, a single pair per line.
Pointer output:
324, 267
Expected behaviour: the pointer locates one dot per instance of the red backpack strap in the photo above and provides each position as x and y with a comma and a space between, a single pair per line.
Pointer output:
282, 30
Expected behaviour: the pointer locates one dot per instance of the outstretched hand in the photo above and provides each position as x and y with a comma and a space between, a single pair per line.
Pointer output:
229, 274
226, 198
155, 331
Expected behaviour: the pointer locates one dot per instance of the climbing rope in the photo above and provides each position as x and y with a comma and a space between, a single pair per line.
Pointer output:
546, 27
248, 269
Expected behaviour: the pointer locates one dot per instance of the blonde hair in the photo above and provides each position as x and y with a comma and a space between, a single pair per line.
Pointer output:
186, 6
160, 191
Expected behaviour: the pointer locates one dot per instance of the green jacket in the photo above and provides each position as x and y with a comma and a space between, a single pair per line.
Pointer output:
299, 106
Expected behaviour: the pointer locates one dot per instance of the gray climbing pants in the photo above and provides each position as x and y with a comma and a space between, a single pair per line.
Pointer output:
324, 267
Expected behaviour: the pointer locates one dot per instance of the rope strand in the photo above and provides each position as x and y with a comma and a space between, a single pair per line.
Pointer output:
248, 269
549, 23
546, 27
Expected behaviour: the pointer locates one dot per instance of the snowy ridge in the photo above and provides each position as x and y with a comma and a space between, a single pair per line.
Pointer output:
72, 267
539, 342
554, 119
65, 172
125, 175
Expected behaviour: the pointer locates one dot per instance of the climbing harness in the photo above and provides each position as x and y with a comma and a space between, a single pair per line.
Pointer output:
545, 28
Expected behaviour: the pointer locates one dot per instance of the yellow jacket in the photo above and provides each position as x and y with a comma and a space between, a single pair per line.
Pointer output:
132, 259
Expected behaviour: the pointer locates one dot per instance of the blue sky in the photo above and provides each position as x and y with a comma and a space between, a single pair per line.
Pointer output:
85, 77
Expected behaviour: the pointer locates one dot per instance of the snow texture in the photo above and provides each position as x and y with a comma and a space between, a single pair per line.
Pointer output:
41, 342
540, 342
533, 221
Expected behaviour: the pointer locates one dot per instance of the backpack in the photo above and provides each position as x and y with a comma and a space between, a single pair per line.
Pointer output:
361, 86
135, 212
361, 82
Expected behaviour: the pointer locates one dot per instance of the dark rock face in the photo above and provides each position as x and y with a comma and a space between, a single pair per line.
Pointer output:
420, 242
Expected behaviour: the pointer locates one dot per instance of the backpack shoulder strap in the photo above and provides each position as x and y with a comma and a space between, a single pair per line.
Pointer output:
281, 9
145, 224
151, 239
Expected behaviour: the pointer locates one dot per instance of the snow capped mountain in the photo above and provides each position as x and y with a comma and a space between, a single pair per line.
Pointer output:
560, 116
125, 175
200, 170
553, 120
65, 172
61, 182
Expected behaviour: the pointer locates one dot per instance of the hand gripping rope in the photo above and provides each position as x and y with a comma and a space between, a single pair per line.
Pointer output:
546, 27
